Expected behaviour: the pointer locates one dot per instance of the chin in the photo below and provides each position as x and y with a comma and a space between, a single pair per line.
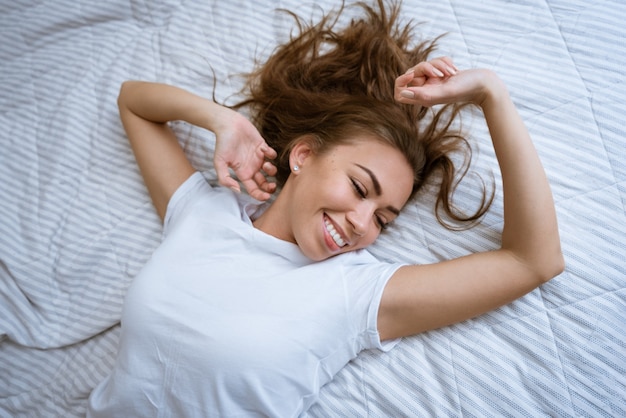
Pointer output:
318, 255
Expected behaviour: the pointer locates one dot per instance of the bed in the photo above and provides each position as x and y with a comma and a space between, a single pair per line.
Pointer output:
76, 223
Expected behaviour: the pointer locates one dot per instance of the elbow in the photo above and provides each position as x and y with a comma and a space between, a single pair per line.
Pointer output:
540, 268
541, 259
559, 265
551, 267
124, 94
121, 96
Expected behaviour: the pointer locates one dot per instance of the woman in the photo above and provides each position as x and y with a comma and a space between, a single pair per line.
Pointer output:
247, 309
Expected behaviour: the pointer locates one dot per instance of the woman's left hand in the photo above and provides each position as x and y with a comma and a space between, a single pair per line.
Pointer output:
439, 81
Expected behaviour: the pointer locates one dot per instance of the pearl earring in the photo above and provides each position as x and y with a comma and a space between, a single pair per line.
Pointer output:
296, 168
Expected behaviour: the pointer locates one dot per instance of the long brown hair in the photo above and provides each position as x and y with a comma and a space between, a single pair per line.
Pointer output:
331, 83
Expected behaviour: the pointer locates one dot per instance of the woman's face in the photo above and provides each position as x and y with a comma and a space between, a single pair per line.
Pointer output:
342, 199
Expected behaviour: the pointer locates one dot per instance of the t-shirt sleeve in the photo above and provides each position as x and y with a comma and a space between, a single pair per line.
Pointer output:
183, 199
372, 315
368, 280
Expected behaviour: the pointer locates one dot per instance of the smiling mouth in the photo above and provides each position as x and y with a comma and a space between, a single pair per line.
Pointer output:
334, 234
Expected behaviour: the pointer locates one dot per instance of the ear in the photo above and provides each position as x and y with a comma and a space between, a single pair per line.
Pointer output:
300, 152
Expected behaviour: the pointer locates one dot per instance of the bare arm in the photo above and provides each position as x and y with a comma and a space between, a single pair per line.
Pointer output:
145, 108
419, 298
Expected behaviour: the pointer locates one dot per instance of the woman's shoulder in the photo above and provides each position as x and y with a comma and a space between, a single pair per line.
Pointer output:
197, 196
359, 266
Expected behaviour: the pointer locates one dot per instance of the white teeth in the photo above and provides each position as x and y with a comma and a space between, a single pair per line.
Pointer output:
333, 233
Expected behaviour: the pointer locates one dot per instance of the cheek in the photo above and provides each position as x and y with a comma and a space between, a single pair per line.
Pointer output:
369, 238
335, 189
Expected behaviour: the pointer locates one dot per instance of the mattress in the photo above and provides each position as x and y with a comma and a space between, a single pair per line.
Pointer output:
76, 223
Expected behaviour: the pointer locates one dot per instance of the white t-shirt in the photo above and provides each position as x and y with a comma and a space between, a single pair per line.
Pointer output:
227, 321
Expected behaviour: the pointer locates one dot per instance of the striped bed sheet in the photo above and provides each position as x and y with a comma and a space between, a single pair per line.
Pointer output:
76, 223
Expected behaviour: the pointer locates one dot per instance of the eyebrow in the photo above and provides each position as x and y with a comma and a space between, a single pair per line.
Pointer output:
377, 187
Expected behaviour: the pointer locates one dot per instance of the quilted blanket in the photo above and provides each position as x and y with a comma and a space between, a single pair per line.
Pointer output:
76, 223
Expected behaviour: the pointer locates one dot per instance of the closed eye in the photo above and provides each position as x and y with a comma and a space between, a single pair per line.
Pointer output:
381, 223
358, 188
362, 193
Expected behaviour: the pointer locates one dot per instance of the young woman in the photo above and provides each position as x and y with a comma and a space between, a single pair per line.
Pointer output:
249, 308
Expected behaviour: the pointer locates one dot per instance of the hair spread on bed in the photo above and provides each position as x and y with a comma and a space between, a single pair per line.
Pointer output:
331, 83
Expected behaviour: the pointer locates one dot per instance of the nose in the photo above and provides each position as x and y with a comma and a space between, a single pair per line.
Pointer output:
360, 218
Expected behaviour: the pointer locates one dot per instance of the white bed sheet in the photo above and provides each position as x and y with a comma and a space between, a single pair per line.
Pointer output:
76, 223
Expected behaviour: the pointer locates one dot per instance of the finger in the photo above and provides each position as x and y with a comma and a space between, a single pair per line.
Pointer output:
262, 183
269, 168
429, 69
254, 190
269, 152
450, 62
224, 177
445, 66
270, 187
404, 79
422, 96
406, 96
230, 182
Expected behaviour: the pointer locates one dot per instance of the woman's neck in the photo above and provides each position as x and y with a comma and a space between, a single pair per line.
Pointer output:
274, 220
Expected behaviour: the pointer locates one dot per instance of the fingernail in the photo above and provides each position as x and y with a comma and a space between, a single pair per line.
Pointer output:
451, 70
438, 73
407, 94
235, 189
411, 71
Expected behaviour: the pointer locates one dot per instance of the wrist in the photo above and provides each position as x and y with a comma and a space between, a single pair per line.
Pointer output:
492, 91
217, 117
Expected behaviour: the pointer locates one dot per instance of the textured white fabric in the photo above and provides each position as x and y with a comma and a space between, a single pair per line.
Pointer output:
76, 223
227, 321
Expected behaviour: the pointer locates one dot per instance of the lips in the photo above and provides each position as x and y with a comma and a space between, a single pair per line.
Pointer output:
330, 228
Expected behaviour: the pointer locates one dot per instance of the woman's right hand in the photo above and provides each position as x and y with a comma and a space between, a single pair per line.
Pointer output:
240, 147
